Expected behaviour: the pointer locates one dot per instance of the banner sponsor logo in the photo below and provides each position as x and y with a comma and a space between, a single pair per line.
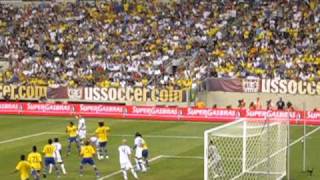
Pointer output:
272, 114
133, 94
313, 115
75, 93
23, 92
250, 85
212, 112
49, 107
290, 87
101, 108
9, 106
154, 110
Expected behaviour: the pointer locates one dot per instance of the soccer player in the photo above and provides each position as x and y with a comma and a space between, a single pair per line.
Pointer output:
23, 167
215, 160
48, 151
95, 143
57, 156
102, 133
82, 129
87, 152
124, 157
139, 147
35, 160
71, 130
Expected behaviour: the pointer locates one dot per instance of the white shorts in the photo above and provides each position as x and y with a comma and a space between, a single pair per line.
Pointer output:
57, 157
139, 153
126, 165
82, 134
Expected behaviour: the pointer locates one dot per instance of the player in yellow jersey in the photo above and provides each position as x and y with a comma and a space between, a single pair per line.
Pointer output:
102, 132
72, 130
87, 152
48, 151
23, 167
35, 159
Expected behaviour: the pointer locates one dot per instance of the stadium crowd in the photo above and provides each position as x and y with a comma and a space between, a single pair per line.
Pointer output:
153, 44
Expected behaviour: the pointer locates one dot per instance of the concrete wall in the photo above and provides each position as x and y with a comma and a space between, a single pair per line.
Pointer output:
223, 99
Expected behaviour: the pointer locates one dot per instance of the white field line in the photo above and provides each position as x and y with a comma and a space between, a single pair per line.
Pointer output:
22, 137
154, 159
116, 135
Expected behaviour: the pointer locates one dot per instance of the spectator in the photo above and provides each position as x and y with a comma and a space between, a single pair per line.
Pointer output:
269, 105
252, 106
281, 104
258, 103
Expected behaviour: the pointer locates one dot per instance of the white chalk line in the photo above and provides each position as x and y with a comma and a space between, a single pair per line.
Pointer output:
154, 159
116, 135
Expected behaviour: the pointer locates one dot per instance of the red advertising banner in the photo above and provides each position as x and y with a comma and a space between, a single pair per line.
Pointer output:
155, 112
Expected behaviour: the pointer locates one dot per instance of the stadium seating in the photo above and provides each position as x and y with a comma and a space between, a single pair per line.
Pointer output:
154, 44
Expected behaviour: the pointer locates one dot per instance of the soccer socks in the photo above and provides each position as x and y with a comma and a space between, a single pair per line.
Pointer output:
81, 170
138, 167
134, 174
50, 168
142, 166
63, 169
125, 176
96, 171
69, 148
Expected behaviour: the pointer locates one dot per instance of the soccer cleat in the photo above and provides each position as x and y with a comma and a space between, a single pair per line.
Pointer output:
107, 157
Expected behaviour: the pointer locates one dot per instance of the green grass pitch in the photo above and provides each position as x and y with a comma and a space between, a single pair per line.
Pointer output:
177, 147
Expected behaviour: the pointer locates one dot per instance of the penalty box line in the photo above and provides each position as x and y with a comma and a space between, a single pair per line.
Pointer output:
154, 159
115, 135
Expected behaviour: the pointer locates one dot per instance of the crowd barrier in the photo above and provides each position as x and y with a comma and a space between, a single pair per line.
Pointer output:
154, 112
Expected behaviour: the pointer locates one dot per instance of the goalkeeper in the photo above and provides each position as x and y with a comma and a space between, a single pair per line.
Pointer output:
214, 158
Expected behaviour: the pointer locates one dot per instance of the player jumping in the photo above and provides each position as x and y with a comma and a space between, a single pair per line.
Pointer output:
57, 156
124, 157
87, 153
48, 151
82, 129
139, 145
71, 130
102, 132
35, 159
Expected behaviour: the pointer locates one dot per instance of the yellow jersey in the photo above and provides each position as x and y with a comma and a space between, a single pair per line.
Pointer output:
24, 168
145, 146
72, 131
34, 158
48, 150
87, 151
102, 133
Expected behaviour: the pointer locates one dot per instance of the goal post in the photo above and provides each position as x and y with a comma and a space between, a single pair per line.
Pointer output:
249, 148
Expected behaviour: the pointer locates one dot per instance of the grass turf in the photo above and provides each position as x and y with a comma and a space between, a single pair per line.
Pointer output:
185, 140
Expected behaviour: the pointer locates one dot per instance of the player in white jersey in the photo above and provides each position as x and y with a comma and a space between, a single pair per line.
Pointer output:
95, 143
124, 158
82, 129
215, 160
138, 147
57, 155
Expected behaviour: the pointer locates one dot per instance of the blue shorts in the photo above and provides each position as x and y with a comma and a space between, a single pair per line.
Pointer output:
145, 153
35, 172
103, 144
48, 161
87, 161
73, 139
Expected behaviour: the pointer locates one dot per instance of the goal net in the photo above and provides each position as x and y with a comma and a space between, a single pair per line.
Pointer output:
247, 149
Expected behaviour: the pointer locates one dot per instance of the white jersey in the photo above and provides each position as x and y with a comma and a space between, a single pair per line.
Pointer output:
124, 157
94, 141
82, 129
213, 153
82, 124
57, 154
138, 142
